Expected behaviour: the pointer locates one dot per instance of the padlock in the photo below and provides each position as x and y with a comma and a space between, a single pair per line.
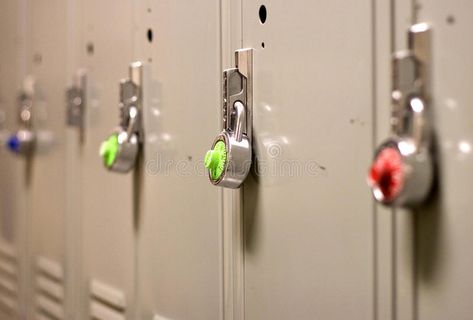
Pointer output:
23, 141
120, 150
403, 171
229, 160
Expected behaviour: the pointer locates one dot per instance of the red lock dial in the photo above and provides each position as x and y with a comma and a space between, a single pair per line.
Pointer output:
386, 175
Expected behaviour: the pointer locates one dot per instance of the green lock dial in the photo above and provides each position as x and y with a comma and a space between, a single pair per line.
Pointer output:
109, 150
215, 160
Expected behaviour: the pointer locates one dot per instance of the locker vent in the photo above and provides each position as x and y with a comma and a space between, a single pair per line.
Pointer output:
49, 283
8, 279
106, 303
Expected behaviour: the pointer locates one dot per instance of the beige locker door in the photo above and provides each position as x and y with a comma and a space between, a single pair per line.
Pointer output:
12, 175
308, 215
107, 198
394, 298
440, 274
47, 207
179, 232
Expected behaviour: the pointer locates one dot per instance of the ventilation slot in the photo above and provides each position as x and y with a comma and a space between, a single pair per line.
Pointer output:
8, 279
49, 289
106, 303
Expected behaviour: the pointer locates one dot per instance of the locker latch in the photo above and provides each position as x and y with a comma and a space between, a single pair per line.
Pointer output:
120, 150
22, 142
76, 101
229, 160
402, 171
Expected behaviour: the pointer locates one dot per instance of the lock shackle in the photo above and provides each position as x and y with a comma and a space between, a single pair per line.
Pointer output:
132, 122
419, 133
240, 120
415, 121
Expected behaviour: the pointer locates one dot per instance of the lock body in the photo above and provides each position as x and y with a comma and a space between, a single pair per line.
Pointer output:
229, 160
120, 150
237, 163
402, 172
401, 176
22, 142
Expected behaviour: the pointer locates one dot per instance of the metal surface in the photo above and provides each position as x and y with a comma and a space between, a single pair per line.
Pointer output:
232, 222
302, 237
107, 220
440, 272
409, 126
13, 191
308, 216
48, 34
180, 212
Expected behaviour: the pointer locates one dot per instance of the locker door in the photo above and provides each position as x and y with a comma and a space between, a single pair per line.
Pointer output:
12, 179
308, 218
400, 231
107, 197
441, 229
179, 245
393, 232
46, 171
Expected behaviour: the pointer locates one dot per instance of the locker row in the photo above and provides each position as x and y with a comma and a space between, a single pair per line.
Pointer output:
188, 160
401, 174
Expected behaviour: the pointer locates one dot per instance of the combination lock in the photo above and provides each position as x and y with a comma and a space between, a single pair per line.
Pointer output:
120, 150
23, 141
229, 160
402, 171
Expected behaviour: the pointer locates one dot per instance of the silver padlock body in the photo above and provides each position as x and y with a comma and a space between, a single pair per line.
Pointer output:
238, 162
417, 173
127, 153
26, 142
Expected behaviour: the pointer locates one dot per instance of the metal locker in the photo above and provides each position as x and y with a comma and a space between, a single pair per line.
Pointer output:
179, 226
307, 217
13, 215
431, 240
107, 198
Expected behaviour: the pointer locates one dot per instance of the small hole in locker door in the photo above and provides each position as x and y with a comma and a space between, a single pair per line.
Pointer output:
450, 19
262, 14
90, 48
149, 35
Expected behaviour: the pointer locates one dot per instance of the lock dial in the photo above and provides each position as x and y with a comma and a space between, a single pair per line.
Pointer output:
386, 176
109, 150
216, 159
